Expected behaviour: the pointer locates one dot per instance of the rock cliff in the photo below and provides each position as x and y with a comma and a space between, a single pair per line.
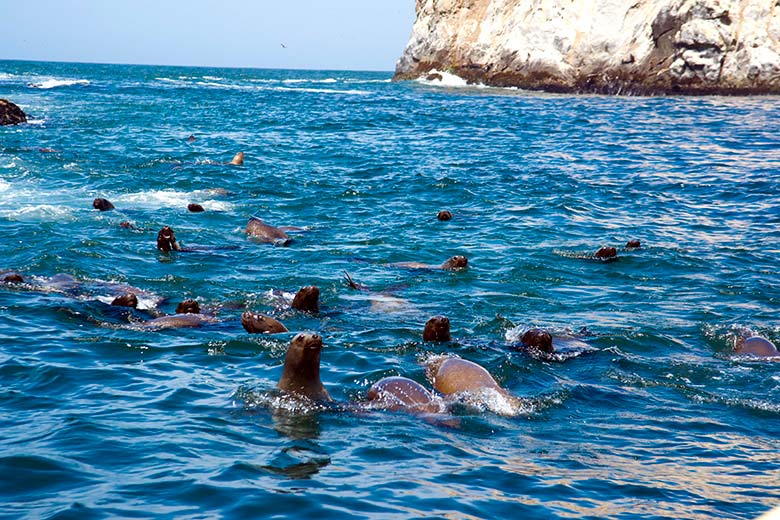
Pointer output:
11, 114
606, 46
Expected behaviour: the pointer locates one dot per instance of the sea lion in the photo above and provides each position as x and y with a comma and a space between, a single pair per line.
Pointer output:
452, 375
195, 208
455, 263
633, 244
238, 159
13, 278
606, 253
402, 394
470, 382
756, 346
301, 374
166, 240
191, 139
265, 233
261, 324
126, 300
187, 316
102, 204
307, 299
444, 215
188, 307
539, 339
437, 329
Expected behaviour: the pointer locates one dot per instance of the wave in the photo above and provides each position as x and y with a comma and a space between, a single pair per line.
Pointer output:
54, 83
38, 213
156, 199
324, 91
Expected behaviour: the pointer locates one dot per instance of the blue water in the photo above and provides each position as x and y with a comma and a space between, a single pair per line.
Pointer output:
652, 418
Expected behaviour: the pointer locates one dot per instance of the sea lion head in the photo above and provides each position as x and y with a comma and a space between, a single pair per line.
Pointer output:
238, 159
301, 374
606, 253
191, 139
456, 262
444, 215
307, 299
102, 204
126, 300
633, 244
166, 240
188, 307
437, 329
13, 278
261, 324
195, 208
538, 339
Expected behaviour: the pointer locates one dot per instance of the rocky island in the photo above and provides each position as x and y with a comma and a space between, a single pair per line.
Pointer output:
643, 47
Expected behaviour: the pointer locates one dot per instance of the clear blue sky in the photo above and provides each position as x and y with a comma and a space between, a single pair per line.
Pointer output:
317, 34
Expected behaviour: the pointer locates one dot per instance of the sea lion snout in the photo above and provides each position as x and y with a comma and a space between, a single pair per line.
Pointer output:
188, 307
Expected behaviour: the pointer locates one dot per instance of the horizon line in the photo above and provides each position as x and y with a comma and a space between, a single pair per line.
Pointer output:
193, 66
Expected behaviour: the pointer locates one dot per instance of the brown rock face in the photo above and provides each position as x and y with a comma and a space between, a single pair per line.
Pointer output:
11, 114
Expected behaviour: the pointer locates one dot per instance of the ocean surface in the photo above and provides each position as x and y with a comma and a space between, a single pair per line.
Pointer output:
647, 414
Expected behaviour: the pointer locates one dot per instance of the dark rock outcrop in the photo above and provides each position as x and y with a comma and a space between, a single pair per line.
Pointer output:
11, 114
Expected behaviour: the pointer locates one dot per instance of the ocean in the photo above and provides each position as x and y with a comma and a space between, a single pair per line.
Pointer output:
646, 413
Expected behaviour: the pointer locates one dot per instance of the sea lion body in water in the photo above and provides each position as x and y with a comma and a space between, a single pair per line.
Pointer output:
402, 394
261, 231
756, 346
437, 329
606, 253
261, 324
453, 264
301, 373
187, 316
456, 377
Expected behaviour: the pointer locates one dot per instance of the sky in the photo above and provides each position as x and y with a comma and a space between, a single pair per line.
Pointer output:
294, 34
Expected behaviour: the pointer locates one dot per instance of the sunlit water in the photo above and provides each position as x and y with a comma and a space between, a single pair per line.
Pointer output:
653, 418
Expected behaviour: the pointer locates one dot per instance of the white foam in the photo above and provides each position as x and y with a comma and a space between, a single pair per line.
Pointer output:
38, 213
54, 83
447, 80
156, 199
4, 186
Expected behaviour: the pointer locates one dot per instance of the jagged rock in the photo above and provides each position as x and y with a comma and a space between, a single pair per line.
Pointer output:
605, 46
11, 114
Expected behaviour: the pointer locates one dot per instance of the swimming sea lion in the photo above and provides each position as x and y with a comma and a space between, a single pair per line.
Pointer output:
102, 204
444, 215
633, 244
126, 300
756, 346
166, 240
261, 324
191, 139
238, 159
538, 339
606, 253
437, 329
13, 278
188, 307
402, 394
307, 299
195, 208
453, 264
301, 374
265, 233
452, 375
